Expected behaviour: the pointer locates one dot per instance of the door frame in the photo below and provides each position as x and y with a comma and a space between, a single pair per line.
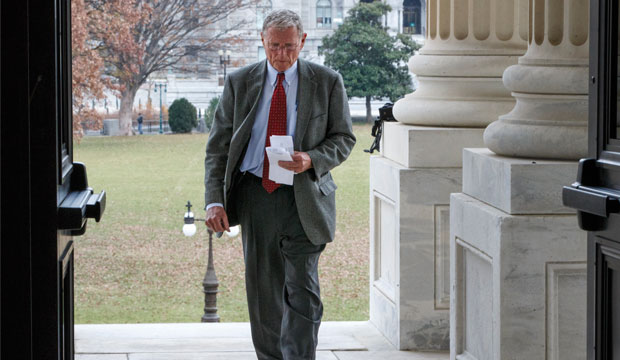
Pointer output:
35, 115
15, 195
604, 148
603, 80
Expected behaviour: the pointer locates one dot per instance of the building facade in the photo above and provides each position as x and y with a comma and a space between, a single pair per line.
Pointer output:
320, 18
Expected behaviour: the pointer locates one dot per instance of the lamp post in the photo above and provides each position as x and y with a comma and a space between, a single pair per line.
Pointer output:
161, 118
224, 59
210, 283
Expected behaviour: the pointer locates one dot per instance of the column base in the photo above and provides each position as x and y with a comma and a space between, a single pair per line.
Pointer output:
516, 185
426, 146
550, 117
538, 140
454, 102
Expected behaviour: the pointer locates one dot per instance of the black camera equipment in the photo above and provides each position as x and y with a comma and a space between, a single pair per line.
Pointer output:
385, 114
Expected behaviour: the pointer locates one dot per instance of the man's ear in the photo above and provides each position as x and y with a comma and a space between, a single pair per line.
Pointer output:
262, 38
303, 40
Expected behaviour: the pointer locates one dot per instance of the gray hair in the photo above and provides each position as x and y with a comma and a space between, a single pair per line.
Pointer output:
283, 19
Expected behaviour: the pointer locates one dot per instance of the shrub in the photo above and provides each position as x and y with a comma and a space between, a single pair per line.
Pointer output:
210, 113
182, 116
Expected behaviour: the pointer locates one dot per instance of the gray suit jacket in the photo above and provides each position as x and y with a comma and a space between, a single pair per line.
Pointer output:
323, 131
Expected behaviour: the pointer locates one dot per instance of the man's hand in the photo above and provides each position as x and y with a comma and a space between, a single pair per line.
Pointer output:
301, 162
216, 219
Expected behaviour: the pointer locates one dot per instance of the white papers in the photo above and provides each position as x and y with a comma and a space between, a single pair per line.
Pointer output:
280, 141
276, 173
281, 149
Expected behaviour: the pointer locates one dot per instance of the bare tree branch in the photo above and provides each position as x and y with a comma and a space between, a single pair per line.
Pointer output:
137, 38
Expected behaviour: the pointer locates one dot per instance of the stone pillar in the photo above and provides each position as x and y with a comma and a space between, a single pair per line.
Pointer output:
460, 67
468, 46
550, 84
518, 269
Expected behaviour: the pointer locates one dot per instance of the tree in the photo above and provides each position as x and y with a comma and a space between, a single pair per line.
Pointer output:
139, 37
372, 63
87, 65
182, 116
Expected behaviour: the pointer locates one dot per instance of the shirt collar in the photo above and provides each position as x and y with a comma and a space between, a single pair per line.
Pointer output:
289, 75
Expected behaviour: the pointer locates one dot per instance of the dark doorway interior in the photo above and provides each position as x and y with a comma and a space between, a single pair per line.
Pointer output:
412, 17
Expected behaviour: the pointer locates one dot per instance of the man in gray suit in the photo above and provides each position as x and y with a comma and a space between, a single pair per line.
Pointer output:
285, 228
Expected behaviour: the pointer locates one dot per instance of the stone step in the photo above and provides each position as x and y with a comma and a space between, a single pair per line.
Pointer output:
347, 340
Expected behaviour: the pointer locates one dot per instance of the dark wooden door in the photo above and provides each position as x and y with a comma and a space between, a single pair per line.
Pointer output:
44, 196
596, 193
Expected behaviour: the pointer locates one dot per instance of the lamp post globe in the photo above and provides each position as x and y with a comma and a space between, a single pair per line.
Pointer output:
189, 230
210, 283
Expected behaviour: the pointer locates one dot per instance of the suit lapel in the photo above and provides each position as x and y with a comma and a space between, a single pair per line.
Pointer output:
254, 89
305, 97
241, 137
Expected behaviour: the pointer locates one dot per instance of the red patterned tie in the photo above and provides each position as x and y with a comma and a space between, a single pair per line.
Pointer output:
276, 126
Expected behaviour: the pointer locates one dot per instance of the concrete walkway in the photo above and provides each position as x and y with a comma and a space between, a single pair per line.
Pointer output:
227, 341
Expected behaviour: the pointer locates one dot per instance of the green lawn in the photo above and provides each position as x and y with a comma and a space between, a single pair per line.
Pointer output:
137, 267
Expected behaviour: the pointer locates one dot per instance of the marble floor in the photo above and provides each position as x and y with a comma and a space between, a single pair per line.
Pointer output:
227, 341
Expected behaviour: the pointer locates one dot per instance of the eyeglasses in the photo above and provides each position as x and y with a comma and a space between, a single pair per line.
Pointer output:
287, 47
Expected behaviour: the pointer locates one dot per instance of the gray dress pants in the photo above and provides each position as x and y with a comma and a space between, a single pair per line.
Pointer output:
281, 273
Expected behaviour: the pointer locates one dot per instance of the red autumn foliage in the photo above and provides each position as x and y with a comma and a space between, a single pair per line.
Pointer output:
87, 67
135, 38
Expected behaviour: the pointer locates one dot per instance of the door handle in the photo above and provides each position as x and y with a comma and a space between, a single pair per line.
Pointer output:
80, 203
593, 204
589, 200
95, 206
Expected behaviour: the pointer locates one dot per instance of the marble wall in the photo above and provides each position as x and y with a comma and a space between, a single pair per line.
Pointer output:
519, 263
410, 228
409, 253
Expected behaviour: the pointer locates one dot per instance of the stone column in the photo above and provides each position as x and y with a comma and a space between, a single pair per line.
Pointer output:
550, 84
468, 46
518, 267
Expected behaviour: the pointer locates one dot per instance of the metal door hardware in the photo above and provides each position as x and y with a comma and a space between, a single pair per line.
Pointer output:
593, 203
80, 204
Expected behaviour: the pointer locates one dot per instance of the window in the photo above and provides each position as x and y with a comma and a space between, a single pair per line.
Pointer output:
411, 17
339, 18
263, 8
191, 52
323, 14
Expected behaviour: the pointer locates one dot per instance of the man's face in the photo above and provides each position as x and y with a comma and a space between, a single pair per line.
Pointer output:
282, 47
